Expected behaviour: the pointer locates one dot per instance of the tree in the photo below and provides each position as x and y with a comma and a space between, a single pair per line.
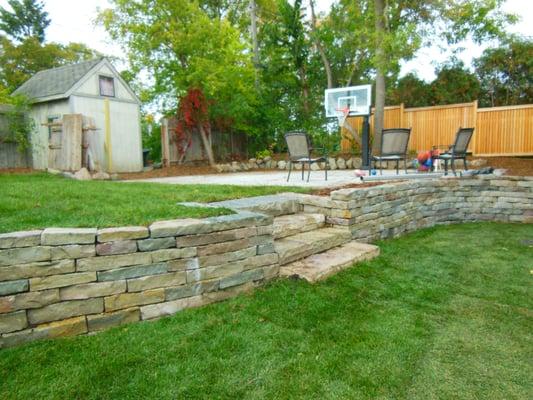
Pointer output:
410, 90
454, 84
182, 47
409, 24
19, 62
506, 73
28, 19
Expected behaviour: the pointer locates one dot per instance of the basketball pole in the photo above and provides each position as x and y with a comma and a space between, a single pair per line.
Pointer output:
366, 142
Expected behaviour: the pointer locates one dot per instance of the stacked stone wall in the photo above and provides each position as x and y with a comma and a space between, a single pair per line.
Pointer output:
393, 209
59, 282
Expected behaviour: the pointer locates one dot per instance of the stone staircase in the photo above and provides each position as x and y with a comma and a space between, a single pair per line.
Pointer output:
307, 247
310, 250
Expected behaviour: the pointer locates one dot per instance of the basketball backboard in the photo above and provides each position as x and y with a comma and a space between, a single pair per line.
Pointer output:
354, 98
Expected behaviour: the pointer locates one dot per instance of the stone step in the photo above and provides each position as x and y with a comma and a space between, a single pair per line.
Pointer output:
288, 225
319, 266
304, 244
273, 205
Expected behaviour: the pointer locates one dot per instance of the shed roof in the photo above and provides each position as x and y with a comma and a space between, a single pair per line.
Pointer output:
55, 81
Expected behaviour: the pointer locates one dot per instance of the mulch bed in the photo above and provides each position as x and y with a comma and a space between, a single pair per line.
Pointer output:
518, 166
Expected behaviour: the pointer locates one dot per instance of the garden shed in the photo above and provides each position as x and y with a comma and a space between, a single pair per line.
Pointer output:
109, 111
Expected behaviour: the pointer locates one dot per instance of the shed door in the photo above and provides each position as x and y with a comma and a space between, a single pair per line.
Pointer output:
64, 142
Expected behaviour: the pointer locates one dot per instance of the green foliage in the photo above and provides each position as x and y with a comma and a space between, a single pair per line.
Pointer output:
410, 90
263, 153
506, 73
151, 138
454, 84
27, 19
20, 61
443, 313
19, 123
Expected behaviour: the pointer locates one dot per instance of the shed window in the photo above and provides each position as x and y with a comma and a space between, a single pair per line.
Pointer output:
107, 86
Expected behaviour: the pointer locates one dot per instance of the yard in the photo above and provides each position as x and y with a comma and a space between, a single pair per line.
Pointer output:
40, 200
442, 313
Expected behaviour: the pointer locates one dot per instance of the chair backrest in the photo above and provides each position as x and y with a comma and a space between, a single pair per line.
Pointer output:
394, 141
462, 139
298, 145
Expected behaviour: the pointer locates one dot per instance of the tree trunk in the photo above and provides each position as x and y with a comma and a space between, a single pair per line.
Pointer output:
379, 113
207, 145
320, 48
305, 90
255, 44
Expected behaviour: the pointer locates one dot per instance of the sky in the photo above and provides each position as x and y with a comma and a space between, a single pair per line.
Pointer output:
73, 21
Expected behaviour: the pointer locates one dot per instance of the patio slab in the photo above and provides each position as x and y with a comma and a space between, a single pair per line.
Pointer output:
336, 178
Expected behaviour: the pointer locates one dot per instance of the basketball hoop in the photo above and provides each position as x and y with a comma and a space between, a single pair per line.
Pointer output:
342, 114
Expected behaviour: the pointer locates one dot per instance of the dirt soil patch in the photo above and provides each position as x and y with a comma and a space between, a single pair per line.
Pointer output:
178, 170
517, 166
10, 171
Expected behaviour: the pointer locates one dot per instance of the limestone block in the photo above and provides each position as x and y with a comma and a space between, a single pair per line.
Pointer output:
20, 239
341, 163
59, 236
173, 254
225, 247
36, 269
221, 295
73, 251
282, 164
156, 244
127, 300
349, 163
266, 248
195, 289
176, 227
170, 307
315, 167
107, 320
67, 327
56, 281
119, 247
218, 259
89, 290
332, 163
183, 264
213, 272
157, 281
132, 272
24, 255
111, 262
28, 300
11, 287
12, 322
83, 175
216, 237
122, 233
240, 278
65, 309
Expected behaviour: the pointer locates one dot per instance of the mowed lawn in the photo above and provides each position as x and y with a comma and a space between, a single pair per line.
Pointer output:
42, 200
444, 313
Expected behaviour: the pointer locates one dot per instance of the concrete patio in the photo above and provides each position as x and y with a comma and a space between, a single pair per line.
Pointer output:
336, 178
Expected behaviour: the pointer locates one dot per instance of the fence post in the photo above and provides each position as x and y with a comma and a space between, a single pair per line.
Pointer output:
401, 115
476, 133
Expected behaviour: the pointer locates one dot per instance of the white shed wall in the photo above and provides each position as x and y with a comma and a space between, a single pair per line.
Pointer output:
90, 86
39, 138
125, 124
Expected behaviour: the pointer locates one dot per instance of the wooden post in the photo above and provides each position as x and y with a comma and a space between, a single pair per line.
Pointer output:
476, 134
165, 143
108, 146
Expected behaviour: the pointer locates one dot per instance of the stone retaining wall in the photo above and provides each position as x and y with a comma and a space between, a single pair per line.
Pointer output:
60, 282
390, 210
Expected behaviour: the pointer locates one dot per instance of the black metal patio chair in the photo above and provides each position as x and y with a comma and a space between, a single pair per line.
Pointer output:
456, 151
393, 148
300, 151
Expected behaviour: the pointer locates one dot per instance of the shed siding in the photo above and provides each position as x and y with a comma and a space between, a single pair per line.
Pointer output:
39, 138
91, 85
125, 132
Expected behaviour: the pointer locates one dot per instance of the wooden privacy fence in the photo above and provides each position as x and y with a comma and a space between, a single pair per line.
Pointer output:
499, 131
10, 156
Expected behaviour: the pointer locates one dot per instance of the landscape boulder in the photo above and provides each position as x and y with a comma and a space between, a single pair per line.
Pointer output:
83, 175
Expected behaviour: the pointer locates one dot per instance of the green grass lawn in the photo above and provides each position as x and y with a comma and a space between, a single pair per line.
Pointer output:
444, 313
41, 200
